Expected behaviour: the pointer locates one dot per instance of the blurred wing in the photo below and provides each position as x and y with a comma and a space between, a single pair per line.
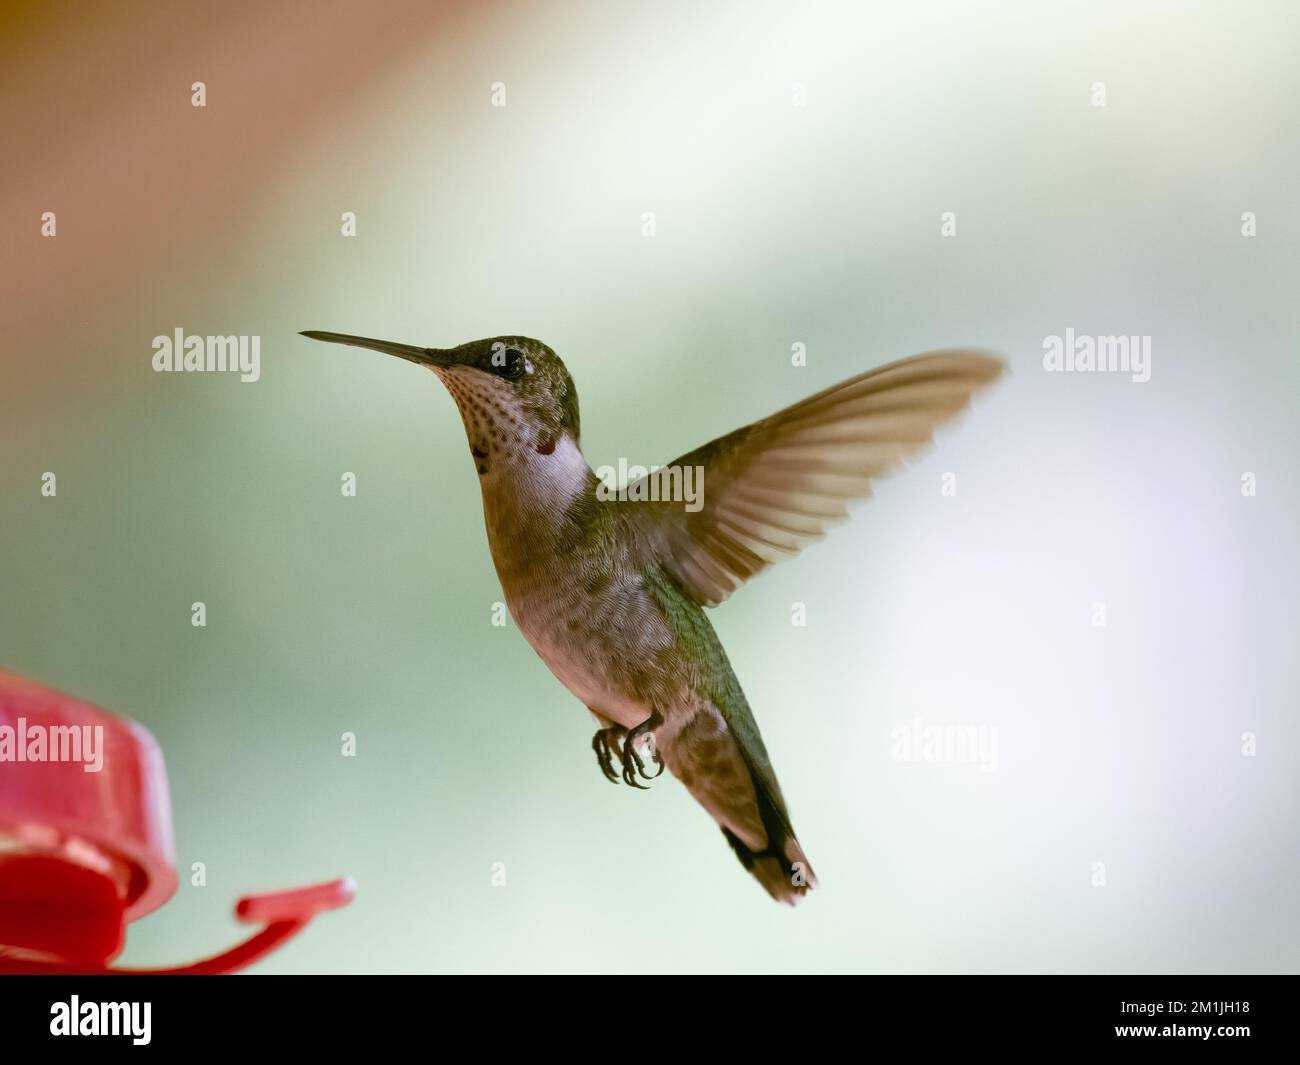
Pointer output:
774, 486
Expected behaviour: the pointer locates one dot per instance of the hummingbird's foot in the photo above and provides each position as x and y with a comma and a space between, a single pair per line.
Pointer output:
607, 745
633, 764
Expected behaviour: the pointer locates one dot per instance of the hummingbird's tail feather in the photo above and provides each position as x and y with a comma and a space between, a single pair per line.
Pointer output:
781, 868
726, 770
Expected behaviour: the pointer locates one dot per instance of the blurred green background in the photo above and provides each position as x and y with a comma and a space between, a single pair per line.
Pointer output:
775, 224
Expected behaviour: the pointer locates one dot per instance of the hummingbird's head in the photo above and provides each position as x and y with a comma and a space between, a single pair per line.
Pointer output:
514, 393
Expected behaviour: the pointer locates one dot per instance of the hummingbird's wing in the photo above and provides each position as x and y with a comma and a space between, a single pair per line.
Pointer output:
774, 486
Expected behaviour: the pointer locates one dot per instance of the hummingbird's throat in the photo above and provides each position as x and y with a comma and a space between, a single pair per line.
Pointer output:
498, 428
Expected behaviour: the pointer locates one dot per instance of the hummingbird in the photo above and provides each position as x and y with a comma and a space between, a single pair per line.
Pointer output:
611, 592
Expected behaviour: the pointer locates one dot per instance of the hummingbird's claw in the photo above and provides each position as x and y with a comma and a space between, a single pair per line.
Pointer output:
633, 764
616, 742
606, 745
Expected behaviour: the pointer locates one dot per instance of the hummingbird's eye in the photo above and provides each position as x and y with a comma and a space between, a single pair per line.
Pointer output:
513, 364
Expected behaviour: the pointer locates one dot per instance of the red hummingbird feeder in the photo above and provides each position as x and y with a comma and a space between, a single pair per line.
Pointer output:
86, 842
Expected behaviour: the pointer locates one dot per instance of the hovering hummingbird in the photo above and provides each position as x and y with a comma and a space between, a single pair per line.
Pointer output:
610, 593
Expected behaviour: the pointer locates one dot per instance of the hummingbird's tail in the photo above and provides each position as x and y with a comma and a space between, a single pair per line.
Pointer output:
721, 759
781, 867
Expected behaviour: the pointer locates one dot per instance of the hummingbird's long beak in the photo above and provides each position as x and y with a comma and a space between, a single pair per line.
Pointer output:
409, 352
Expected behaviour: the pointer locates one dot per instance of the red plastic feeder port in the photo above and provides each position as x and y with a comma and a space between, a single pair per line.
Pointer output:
86, 842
